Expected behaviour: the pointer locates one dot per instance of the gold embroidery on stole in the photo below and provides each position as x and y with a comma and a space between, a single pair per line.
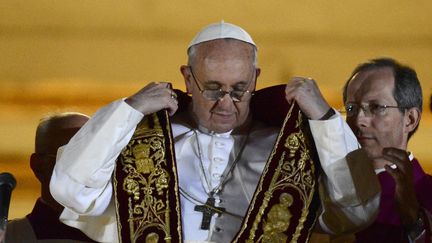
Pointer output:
143, 162
295, 172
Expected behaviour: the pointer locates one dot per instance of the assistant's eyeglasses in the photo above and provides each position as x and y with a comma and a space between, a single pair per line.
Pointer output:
352, 109
217, 94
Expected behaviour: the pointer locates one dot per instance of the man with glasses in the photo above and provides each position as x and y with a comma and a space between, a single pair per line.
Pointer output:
383, 102
220, 149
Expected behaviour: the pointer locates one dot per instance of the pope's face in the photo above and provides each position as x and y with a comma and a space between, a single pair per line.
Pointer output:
226, 65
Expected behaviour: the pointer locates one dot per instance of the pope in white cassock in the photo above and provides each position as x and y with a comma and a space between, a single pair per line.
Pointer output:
220, 150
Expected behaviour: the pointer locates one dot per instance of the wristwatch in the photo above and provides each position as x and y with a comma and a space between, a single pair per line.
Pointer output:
415, 229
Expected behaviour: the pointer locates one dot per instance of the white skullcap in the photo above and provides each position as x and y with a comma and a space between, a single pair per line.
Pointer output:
221, 30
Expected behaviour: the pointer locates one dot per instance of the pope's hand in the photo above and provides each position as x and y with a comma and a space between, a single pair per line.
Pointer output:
306, 93
154, 97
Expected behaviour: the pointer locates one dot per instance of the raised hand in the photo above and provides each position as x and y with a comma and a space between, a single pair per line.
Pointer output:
405, 196
154, 97
306, 93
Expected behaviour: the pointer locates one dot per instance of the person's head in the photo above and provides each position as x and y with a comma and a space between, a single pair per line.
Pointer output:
222, 58
373, 86
52, 132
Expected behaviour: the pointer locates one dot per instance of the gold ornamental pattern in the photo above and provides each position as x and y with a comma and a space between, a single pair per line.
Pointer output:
146, 183
285, 205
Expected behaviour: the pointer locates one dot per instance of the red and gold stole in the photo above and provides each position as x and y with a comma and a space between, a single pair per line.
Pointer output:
146, 184
283, 208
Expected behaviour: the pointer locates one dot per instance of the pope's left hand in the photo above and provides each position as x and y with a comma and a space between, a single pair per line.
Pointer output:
405, 195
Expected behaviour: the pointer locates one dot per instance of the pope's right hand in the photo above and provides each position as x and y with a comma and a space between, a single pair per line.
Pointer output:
154, 97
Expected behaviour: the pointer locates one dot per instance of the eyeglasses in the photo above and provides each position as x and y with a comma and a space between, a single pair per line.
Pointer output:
217, 94
369, 110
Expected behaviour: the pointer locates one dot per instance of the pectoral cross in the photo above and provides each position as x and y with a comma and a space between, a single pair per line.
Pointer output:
208, 210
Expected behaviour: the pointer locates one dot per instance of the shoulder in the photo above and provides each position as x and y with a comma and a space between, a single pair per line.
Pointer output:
419, 174
19, 230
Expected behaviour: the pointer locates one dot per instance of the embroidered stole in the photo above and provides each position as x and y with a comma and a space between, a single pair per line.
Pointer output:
285, 203
146, 184
283, 208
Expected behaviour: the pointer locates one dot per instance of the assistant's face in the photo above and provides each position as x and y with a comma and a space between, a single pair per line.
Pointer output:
374, 132
226, 65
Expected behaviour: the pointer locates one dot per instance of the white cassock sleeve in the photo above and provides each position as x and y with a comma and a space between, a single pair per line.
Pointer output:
81, 179
349, 188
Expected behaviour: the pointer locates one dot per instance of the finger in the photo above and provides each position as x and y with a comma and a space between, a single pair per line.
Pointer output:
295, 82
149, 86
394, 172
153, 89
290, 85
291, 89
299, 82
290, 95
172, 106
162, 90
401, 166
174, 95
298, 79
307, 85
398, 157
164, 84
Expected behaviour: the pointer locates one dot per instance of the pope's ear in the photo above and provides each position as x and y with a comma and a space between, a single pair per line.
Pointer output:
257, 73
412, 118
185, 70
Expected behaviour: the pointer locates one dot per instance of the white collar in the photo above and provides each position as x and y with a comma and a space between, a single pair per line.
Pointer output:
204, 130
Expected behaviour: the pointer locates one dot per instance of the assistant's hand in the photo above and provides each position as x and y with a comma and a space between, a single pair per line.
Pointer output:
405, 196
306, 93
154, 97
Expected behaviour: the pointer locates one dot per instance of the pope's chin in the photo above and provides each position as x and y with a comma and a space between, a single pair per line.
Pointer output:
223, 119
219, 127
